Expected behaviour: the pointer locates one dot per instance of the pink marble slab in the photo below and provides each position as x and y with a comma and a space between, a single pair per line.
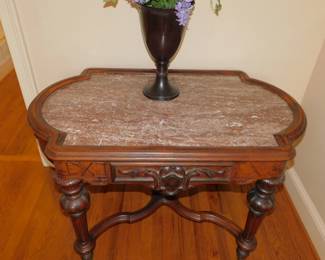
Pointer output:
211, 111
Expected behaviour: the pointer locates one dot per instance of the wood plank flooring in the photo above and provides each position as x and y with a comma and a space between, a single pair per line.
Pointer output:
33, 227
16, 136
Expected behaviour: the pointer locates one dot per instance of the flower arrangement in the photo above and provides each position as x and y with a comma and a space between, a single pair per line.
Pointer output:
183, 8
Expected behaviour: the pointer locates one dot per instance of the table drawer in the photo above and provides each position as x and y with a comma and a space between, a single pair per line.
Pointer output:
169, 177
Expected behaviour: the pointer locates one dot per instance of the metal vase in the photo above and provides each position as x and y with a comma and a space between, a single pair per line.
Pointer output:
162, 35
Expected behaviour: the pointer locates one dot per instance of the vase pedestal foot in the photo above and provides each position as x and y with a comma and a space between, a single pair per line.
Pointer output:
161, 89
161, 93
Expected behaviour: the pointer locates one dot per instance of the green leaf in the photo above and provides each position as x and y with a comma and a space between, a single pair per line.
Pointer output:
216, 7
164, 4
110, 3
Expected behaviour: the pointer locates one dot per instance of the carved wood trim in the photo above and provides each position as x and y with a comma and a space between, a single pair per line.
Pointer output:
97, 173
157, 175
172, 179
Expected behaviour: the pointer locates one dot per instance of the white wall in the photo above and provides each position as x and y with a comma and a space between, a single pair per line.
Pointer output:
310, 163
277, 41
311, 152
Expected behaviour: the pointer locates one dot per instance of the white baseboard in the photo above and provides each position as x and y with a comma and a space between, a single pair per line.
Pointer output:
307, 210
45, 161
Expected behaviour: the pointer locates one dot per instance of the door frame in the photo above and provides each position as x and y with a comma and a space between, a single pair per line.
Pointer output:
18, 49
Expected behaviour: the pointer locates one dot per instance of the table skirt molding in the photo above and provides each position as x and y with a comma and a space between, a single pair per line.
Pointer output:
156, 175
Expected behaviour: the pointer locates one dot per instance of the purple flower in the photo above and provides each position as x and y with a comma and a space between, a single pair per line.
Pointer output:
141, 2
183, 10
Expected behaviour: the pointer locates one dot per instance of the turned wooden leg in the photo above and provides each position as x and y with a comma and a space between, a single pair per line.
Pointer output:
75, 202
261, 202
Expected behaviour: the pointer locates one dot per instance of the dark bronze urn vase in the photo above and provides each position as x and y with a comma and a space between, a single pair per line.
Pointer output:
162, 35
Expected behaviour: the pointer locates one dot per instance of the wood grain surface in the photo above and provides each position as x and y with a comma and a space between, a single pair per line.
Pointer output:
15, 132
33, 227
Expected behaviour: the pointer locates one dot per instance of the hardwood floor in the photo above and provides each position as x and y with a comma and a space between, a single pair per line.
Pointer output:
33, 227
16, 140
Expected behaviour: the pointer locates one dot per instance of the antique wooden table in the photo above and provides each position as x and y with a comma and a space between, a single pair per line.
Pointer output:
224, 128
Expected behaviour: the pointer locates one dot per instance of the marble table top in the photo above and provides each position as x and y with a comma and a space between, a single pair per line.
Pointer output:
109, 109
